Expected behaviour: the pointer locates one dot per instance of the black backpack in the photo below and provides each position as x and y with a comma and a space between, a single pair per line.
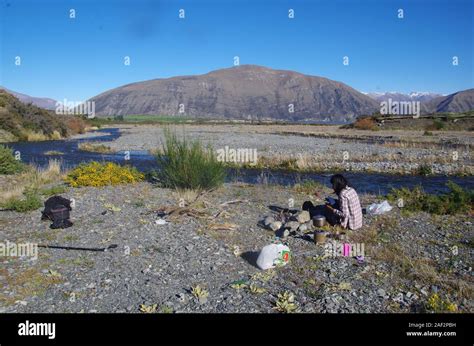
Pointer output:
57, 209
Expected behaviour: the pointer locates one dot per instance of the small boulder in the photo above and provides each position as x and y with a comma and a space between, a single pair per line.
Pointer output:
268, 220
293, 225
275, 226
303, 217
302, 228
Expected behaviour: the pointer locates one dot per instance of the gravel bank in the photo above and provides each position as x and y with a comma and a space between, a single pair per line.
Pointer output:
158, 264
316, 151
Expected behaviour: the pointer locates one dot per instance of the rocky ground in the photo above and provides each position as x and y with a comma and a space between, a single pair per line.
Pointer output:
408, 257
322, 147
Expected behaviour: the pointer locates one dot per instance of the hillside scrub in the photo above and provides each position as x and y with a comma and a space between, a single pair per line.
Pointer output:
30, 123
188, 165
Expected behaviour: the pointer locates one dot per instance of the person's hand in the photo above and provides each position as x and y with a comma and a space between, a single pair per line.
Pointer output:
329, 207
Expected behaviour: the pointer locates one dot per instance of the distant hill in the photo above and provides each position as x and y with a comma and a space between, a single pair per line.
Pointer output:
395, 96
42, 102
461, 101
242, 92
20, 121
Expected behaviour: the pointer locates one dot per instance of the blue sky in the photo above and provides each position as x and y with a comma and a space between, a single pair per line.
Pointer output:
82, 57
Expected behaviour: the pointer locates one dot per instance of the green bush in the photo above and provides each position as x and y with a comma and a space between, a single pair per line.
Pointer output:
424, 170
31, 201
8, 164
457, 200
188, 165
438, 124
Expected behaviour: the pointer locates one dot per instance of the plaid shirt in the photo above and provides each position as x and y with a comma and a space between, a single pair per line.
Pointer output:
350, 210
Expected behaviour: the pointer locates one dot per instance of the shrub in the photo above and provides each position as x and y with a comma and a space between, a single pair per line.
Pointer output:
436, 304
75, 124
8, 164
424, 170
30, 201
102, 174
457, 200
427, 133
188, 165
367, 123
436, 125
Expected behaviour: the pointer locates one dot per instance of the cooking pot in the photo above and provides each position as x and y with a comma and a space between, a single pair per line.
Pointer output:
319, 221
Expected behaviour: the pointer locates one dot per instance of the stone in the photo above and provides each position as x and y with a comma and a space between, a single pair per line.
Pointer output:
293, 225
303, 217
303, 228
381, 292
275, 226
268, 221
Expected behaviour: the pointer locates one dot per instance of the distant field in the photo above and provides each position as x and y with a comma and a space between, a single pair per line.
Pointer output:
436, 122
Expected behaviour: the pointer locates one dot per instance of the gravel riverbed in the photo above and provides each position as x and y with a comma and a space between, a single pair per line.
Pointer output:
159, 264
350, 151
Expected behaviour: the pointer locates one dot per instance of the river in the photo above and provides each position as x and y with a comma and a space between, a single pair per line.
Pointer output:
34, 152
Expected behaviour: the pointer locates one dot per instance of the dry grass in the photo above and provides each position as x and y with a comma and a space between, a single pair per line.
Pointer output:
185, 196
32, 136
33, 178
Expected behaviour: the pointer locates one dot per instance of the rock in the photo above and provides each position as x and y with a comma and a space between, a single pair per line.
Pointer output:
409, 295
268, 221
381, 292
303, 217
182, 298
303, 228
293, 225
275, 226
398, 298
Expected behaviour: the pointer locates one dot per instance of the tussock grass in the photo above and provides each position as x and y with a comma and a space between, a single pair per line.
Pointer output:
188, 164
21, 191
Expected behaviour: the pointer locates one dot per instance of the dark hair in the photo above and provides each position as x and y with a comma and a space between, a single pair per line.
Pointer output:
339, 182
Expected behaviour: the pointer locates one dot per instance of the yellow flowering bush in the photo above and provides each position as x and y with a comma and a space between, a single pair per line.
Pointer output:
437, 304
102, 174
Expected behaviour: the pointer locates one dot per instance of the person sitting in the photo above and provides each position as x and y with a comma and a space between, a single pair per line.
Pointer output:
347, 208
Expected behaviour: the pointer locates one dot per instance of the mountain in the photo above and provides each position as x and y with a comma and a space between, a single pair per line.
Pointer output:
41, 102
461, 101
400, 97
241, 92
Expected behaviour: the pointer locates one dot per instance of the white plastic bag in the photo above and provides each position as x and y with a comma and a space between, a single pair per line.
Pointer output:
273, 255
379, 208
